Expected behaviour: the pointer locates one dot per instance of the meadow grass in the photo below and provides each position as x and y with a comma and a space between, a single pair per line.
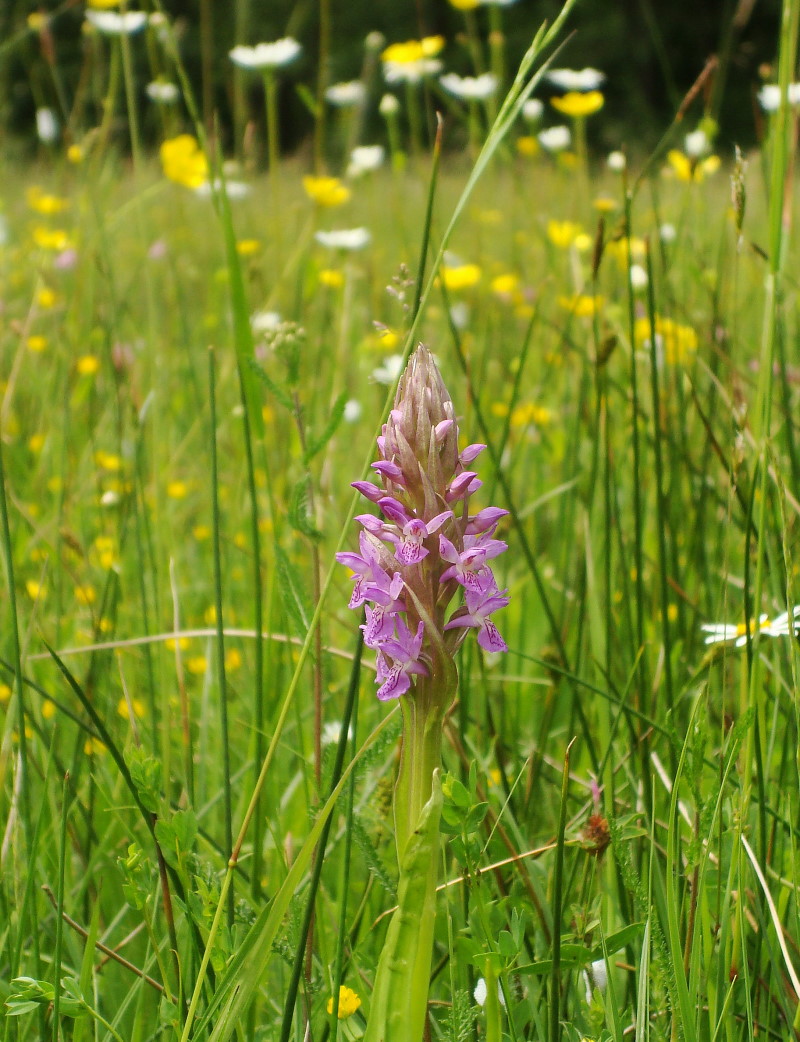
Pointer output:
186, 398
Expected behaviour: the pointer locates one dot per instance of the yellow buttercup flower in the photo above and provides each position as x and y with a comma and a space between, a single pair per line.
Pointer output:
247, 247
461, 276
87, 365
75, 154
563, 233
413, 50
581, 304
137, 706
51, 239
326, 191
177, 489
183, 161
46, 298
505, 285
349, 1002
36, 343
465, 5
579, 103
85, 595
528, 413
685, 169
676, 344
528, 145
44, 203
331, 277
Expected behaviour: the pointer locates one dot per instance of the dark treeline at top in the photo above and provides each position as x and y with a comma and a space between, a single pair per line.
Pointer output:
651, 52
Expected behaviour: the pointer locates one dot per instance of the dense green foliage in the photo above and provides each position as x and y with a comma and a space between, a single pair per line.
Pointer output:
194, 768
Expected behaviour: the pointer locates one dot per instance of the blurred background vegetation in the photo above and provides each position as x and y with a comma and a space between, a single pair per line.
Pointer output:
652, 52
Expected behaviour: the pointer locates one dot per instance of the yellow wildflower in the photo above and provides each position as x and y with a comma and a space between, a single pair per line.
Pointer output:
578, 103
104, 545
201, 533
349, 1002
85, 594
103, 5
36, 442
504, 285
44, 203
177, 489
685, 169
183, 161
233, 659
563, 233
87, 365
48, 711
247, 247
171, 643
46, 297
35, 590
461, 276
5, 694
528, 145
675, 343
581, 304
604, 204
51, 239
526, 414
331, 277
197, 664
107, 460
75, 155
93, 747
36, 343
326, 191
36, 21
465, 5
413, 50
137, 706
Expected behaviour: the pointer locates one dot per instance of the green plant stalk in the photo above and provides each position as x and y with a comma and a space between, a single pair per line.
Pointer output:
345, 877
399, 1002
420, 756
227, 798
24, 788
661, 505
554, 1031
62, 865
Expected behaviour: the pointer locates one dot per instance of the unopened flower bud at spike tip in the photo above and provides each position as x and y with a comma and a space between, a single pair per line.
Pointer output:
423, 572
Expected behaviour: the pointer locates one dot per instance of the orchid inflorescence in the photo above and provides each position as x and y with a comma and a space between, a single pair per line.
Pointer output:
426, 547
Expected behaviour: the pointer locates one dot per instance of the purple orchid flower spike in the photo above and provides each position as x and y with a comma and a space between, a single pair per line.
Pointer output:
424, 546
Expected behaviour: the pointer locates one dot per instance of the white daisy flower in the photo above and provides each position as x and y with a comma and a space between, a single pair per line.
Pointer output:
555, 139
722, 632
47, 127
117, 23
696, 144
345, 238
389, 371
616, 161
769, 96
364, 159
266, 55
532, 110
576, 79
162, 92
469, 88
346, 95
